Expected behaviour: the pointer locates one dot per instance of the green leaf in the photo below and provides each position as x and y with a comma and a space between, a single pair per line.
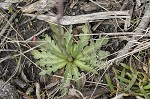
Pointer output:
43, 62
86, 57
69, 48
76, 76
51, 55
103, 54
131, 83
85, 29
84, 39
108, 80
147, 86
94, 46
36, 54
44, 45
102, 41
43, 72
69, 42
125, 66
49, 70
57, 66
82, 65
129, 74
49, 61
56, 61
122, 79
76, 50
93, 61
67, 69
52, 45
70, 29
123, 72
44, 55
55, 28
60, 55
89, 49
66, 82
68, 37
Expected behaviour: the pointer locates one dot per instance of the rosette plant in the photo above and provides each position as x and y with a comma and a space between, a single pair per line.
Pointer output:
82, 55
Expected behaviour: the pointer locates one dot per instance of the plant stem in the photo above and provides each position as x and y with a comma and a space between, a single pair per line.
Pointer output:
60, 39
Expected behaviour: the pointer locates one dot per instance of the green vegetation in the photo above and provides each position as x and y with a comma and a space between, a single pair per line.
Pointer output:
82, 55
129, 81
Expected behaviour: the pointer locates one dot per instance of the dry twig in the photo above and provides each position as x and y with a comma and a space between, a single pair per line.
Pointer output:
68, 20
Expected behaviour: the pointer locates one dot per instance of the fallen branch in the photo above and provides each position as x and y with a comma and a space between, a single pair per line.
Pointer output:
68, 20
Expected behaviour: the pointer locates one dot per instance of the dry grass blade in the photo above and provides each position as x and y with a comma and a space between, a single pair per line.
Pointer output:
8, 24
14, 73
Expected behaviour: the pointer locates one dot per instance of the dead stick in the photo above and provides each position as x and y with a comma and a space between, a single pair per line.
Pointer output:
60, 39
78, 19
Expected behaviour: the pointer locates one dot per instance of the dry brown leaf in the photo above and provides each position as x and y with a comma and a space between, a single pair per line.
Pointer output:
83, 79
73, 92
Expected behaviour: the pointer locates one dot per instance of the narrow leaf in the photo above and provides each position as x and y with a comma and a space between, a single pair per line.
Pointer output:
43, 72
67, 69
125, 66
76, 76
82, 65
102, 41
123, 72
94, 46
103, 54
55, 28
36, 54
58, 66
131, 82
108, 80
84, 38
52, 45
147, 86
89, 49
122, 79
